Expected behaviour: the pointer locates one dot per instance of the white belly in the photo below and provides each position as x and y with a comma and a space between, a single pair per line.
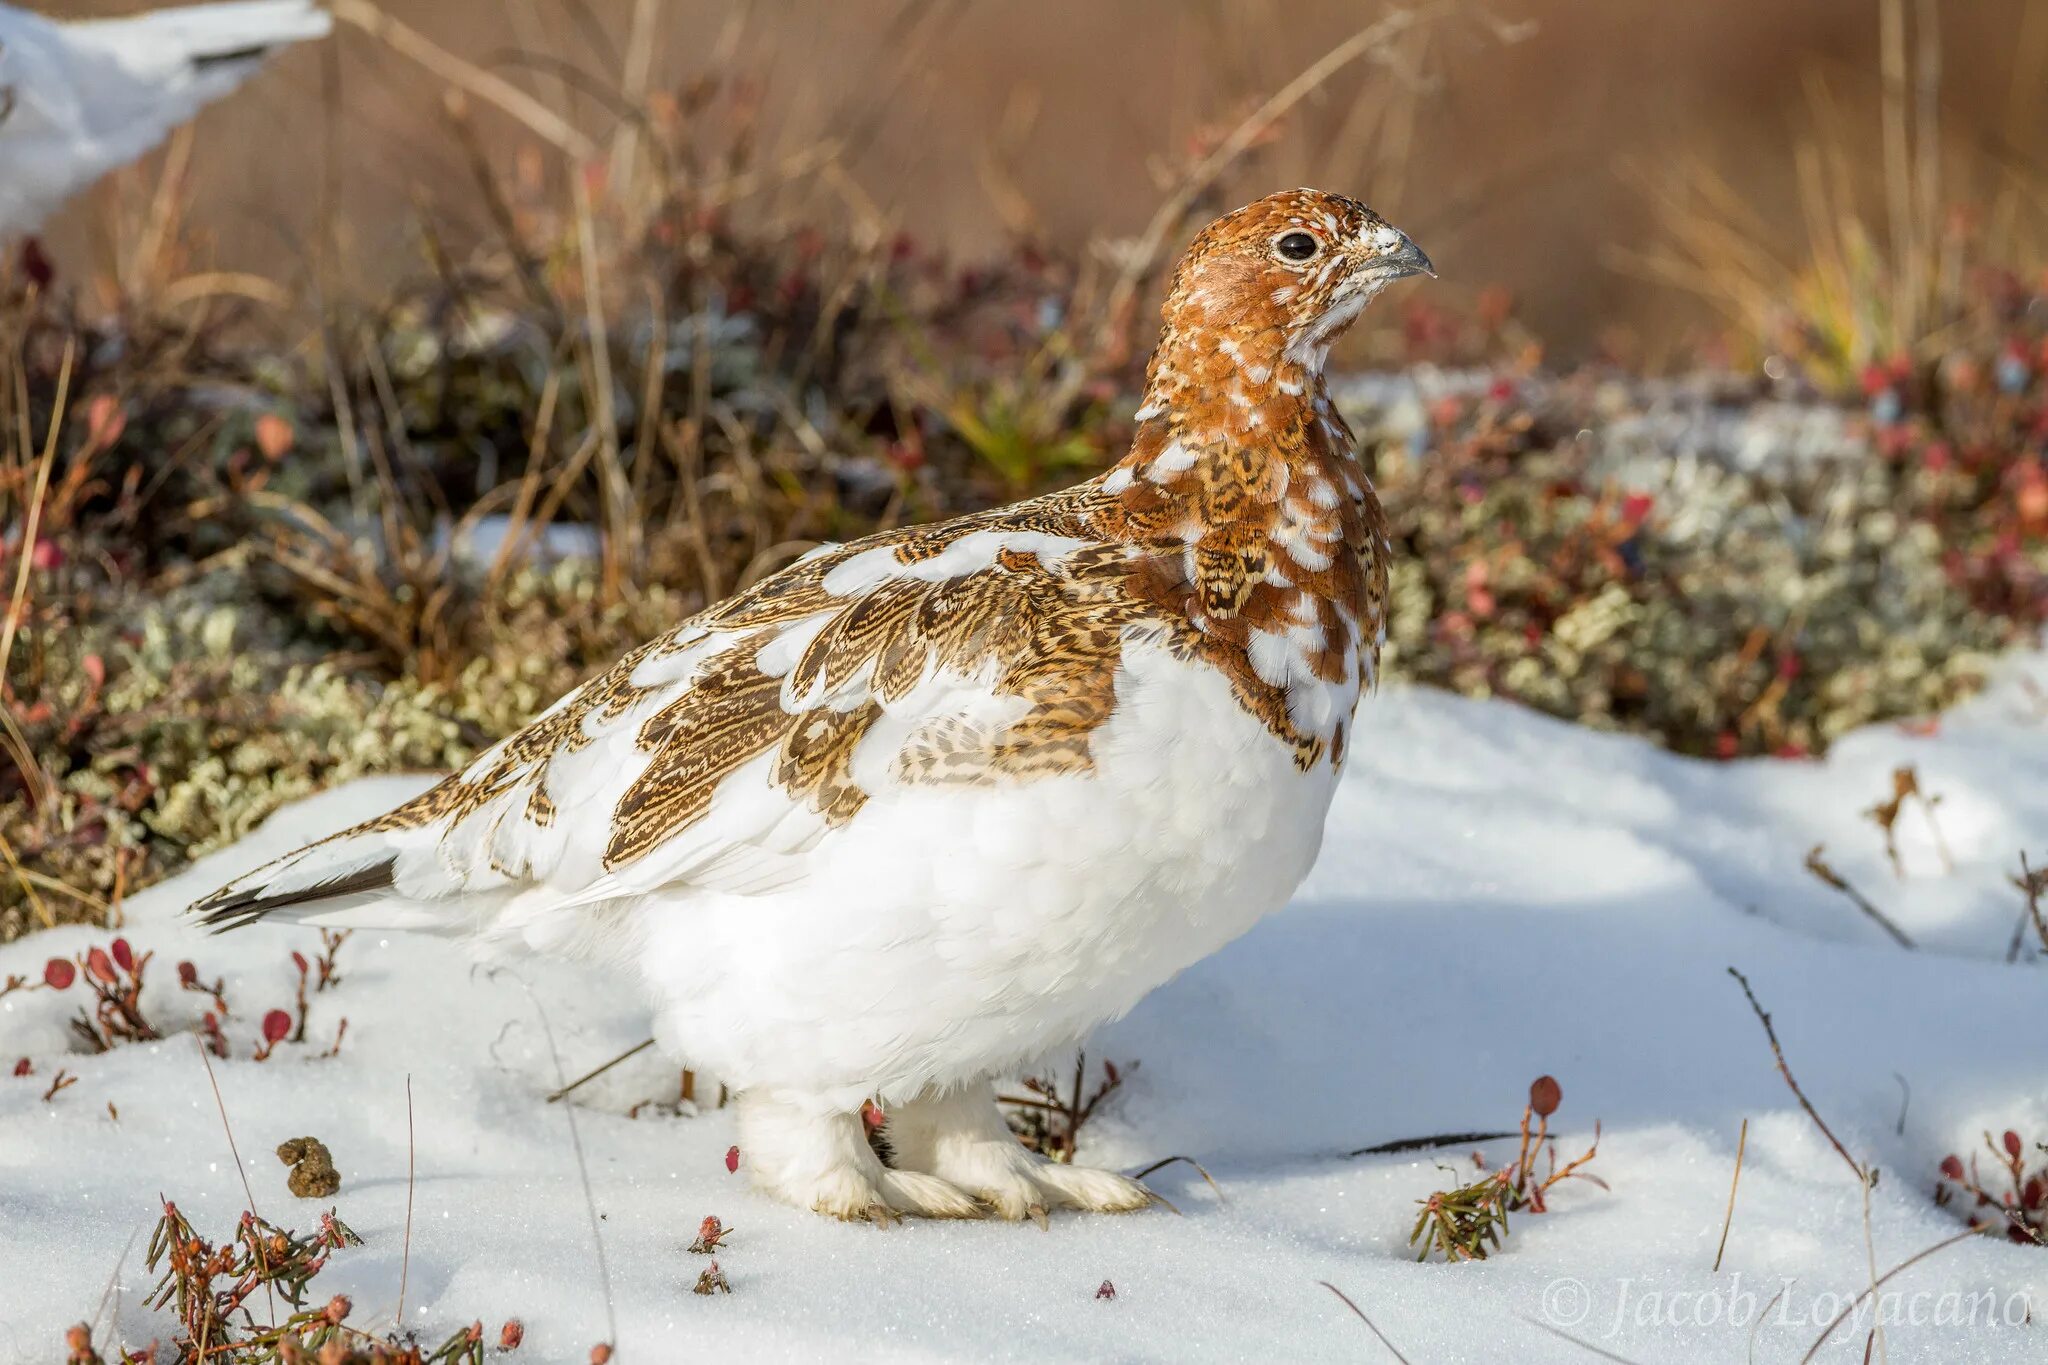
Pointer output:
948, 933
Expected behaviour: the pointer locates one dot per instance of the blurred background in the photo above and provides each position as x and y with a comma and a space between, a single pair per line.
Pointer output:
461, 350
1534, 144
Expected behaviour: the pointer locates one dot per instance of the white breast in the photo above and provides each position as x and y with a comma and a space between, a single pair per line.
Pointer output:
950, 932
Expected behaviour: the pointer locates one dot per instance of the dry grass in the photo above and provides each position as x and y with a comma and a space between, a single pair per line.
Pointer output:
1901, 217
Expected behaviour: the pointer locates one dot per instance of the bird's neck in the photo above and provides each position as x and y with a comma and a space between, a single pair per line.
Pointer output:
1229, 378
1243, 486
1247, 408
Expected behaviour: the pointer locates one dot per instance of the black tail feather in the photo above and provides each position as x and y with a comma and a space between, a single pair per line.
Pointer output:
232, 909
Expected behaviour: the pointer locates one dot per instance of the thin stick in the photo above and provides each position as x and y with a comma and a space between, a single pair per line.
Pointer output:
485, 85
1423, 1144
1819, 868
240, 1170
1876, 1339
604, 1273
35, 504
1741, 1142
1582, 1345
633, 1051
1786, 1071
1912, 1260
405, 1255
1750, 1354
1169, 1160
113, 1278
2029, 884
1392, 1349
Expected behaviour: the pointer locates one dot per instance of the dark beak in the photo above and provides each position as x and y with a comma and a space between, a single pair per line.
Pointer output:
1406, 259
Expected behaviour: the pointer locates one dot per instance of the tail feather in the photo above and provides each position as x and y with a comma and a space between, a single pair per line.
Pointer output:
259, 895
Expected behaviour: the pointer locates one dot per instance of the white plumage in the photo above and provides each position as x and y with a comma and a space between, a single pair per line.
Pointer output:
78, 100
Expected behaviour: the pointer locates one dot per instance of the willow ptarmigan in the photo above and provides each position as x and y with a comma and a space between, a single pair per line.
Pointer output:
922, 808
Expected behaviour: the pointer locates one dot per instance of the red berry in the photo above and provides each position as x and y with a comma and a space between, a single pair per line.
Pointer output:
58, 974
1952, 1167
732, 1158
1545, 1095
100, 965
124, 956
276, 1025
511, 1334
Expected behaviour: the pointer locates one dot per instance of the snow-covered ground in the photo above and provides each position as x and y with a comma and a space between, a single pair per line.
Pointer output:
1500, 896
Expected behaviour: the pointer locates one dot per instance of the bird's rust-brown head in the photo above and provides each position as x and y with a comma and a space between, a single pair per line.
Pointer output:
1262, 293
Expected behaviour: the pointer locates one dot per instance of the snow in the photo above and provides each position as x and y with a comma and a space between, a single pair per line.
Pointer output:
1500, 895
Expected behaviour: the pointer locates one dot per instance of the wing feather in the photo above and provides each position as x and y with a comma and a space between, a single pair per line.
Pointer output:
718, 756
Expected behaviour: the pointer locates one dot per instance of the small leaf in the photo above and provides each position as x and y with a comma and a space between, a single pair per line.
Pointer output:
276, 1025
124, 956
274, 437
100, 965
732, 1158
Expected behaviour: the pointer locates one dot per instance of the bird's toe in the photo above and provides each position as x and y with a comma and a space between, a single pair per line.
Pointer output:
1091, 1188
927, 1196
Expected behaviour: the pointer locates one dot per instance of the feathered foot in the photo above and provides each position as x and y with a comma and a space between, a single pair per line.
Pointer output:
961, 1139
822, 1161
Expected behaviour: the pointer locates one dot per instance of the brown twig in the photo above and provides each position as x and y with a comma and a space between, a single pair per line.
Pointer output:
1862, 1173
1562, 1335
485, 85
2031, 883
1728, 1219
1392, 1349
1912, 1260
1169, 1160
588, 1076
1818, 866
221, 1104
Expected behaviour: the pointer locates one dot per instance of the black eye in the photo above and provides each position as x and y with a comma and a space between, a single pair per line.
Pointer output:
1297, 246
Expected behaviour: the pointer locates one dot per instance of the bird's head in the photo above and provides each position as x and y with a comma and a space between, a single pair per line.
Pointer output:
1273, 285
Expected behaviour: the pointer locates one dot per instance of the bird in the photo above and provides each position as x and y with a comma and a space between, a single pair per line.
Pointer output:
925, 807
78, 100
